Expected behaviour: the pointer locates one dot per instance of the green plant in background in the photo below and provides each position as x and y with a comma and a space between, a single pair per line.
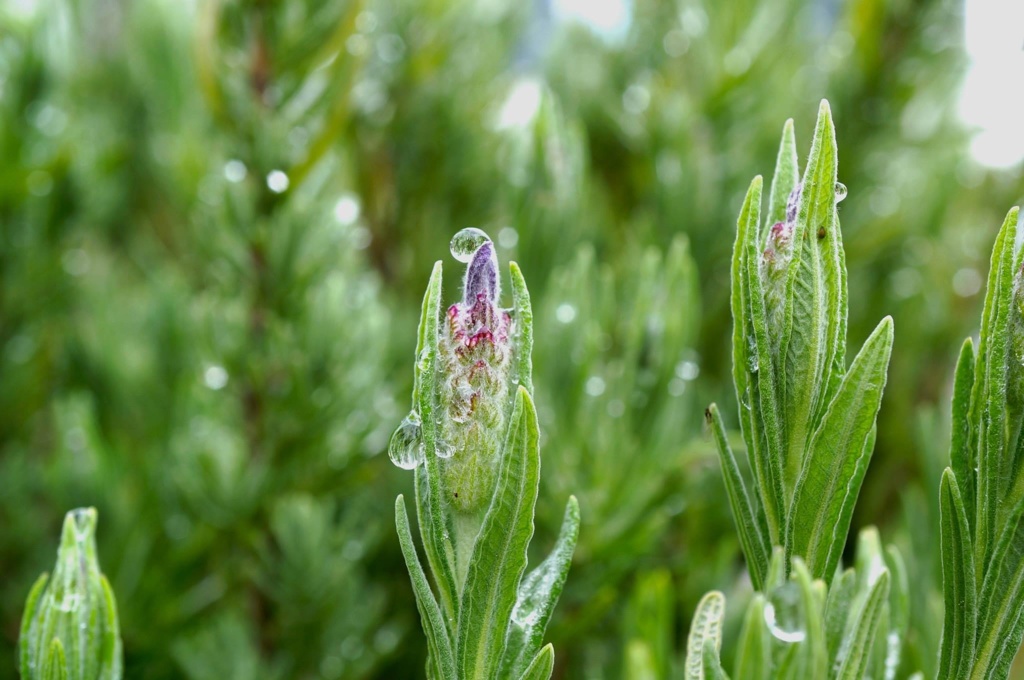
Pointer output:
807, 421
797, 628
472, 438
69, 630
982, 492
616, 370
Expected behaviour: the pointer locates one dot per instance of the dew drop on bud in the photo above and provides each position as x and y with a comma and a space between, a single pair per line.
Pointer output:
406, 447
443, 449
466, 242
840, 191
782, 614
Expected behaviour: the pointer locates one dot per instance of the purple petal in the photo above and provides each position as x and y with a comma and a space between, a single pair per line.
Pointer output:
482, 275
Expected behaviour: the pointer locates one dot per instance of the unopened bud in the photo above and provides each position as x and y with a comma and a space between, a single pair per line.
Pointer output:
69, 629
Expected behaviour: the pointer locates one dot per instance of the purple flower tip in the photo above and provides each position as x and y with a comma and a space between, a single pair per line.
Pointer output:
482, 281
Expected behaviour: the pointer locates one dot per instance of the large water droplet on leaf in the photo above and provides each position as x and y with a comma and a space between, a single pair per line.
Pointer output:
782, 614
466, 242
443, 449
406, 447
840, 191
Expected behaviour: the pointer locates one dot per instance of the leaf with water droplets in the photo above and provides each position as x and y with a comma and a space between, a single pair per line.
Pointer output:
406, 446
538, 595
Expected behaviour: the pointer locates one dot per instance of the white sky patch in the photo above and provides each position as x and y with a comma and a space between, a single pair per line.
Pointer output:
522, 104
609, 19
992, 98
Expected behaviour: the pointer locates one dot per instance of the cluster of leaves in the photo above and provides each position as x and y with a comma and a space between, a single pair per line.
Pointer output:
982, 493
798, 628
808, 423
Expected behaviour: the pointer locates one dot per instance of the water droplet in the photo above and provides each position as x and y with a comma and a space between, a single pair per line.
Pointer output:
406, 446
840, 191
235, 171
277, 181
466, 242
215, 377
565, 313
443, 449
782, 614
687, 370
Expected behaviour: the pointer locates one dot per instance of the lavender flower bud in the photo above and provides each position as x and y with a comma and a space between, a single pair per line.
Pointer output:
475, 390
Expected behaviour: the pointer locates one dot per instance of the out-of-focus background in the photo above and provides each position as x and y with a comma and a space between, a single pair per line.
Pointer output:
217, 218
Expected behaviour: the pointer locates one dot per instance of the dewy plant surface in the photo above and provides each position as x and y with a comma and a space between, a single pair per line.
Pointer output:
472, 439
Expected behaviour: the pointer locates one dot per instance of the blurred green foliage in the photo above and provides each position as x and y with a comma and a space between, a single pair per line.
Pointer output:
216, 221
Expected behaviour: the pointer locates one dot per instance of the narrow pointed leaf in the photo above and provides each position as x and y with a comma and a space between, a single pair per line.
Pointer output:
808, 657
1001, 602
837, 609
785, 179
499, 555
542, 665
753, 536
958, 582
523, 311
711, 665
988, 399
754, 654
55, 667
538, 595
962, 455
766, 437
27, 618
438, 642
705, 627
857, 648
830, 479
433, 521
815, 299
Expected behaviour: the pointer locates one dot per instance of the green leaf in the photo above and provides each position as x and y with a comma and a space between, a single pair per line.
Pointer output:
962, 455
785, 179
27, 621
434, 522
899, 612
710, 663
839, 453
856, 649
438, 642
111, 656
988, 399
499, 555
523, 316
1001, 602
837, 609
813, 335
706, 627
754, 654
958, 581
542, 666
752, 533
807, 658
755, 380
538, 595
54, 667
